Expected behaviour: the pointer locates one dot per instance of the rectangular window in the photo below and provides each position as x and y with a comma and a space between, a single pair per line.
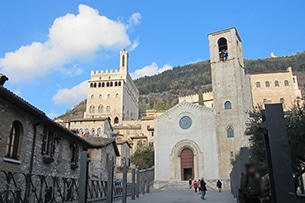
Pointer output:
74, 155
48, 143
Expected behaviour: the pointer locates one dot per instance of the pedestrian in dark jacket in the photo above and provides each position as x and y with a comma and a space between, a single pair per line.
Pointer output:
190, 183
219, 185
203, 188
250, 185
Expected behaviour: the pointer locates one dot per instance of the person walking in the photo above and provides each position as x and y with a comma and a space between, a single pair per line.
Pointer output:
195, 186
250, 185
190, 183
203, 188
219, 185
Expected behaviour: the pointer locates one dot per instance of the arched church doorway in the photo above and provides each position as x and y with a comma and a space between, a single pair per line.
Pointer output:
187, 164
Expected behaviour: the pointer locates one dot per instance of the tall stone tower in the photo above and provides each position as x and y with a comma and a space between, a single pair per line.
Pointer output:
113, 94
232, 95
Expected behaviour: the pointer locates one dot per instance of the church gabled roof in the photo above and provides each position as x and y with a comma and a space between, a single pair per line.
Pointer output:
189, 105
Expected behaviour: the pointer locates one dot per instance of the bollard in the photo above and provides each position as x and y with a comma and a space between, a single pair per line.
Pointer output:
147, 181
124, 195
142, 183
83, 174
133, 191
110, 181
138, 184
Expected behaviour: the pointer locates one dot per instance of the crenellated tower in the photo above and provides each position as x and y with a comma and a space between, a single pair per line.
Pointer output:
113, 94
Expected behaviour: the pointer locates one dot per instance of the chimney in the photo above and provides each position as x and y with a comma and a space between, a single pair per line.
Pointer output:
3, 79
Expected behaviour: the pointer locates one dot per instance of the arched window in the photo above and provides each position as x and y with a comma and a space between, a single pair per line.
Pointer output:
228, 105
116, 84
120, 83
99, 131
116, 120
91, 85
258, 84
123, 60
117, 95
91, 109
103, 84
111, 84
230, 132
276, 83
92, 131
94, 85
99, 84
286, 83
282, 100
223, 49
100, 96
267, 84
100, 109
107, 84
108, 96
16, 132
92, 96
108, 109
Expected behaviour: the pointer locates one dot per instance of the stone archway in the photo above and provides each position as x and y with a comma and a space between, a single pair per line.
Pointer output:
176, 168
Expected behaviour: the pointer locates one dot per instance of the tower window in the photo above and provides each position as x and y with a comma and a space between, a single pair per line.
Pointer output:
108, 109
230, 132
117, 95
99, 84
91, 85
119, 83
123, 60
100, 109
116, 84
94, 85
276, 83
92, 96
228, 105
267, 84
108, 96
111, 84
107, 84
286, 83
103, 84
100, 96
223, 49
13, 140
258, 84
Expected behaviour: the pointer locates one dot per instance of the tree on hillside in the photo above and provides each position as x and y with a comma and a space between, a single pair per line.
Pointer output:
296, 136
143, 157
200, 99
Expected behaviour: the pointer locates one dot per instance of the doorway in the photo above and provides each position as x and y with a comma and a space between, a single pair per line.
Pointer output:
187, 164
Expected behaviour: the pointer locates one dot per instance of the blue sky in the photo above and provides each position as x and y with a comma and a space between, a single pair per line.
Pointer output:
48, 48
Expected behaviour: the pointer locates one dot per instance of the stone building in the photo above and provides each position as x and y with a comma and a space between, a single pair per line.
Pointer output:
275, 87
30, 142
192, 141
113, 94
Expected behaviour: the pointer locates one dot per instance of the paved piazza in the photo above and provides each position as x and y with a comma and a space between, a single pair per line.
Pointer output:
182, 196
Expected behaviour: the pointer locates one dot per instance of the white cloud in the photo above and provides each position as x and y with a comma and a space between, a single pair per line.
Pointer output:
73, 71
150, 70
134, 45
135, 19
71, 96
70, 37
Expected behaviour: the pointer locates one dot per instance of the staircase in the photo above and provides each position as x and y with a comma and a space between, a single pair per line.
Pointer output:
184, 185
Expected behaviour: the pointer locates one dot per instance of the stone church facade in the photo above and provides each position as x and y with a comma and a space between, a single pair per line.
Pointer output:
193, 141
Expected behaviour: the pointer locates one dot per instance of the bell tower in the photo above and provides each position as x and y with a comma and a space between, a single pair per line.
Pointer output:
232, 95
